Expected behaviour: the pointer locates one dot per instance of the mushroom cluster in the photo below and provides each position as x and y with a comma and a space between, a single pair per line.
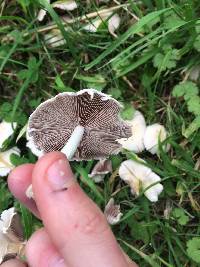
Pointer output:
144, 137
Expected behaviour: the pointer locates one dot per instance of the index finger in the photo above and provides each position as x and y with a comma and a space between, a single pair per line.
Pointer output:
75, 224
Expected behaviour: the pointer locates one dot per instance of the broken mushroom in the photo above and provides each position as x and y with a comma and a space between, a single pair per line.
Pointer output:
102, 167
141, 178
135, 143
83, 125
112, 212
11, 235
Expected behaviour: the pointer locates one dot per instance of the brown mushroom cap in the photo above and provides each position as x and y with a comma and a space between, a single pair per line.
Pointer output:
53, 122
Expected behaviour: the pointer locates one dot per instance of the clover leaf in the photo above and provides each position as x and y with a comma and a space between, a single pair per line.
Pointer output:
193, 249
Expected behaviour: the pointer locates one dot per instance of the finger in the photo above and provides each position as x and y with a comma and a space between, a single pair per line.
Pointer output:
129, 261
13, 263
41, 252
18, 181
75, 224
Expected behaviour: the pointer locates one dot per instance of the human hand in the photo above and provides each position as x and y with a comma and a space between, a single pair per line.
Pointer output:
75, 233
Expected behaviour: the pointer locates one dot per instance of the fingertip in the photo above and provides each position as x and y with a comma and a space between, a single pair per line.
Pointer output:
40, 251
18, 182
19, 178
36, 238
44, 162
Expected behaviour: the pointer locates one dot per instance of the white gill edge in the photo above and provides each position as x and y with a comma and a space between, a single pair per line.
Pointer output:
90, 91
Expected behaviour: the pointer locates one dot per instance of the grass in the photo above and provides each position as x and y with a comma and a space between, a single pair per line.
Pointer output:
157, 47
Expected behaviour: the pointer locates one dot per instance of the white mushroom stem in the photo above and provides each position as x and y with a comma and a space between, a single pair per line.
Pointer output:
69, 150
71, 146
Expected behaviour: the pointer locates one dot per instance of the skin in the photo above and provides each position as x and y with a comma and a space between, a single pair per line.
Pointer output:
75, 231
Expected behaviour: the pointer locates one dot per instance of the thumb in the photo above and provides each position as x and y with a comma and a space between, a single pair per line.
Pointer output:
74, 223
13, 263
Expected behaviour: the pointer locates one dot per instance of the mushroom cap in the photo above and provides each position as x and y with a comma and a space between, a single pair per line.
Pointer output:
52, 123
153, 134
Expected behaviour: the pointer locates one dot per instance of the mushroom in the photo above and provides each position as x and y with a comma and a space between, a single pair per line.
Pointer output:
6, 165
153, 134
101, 168
83, 125
141, 177
6, 130
11, 235
138, 126
112, 212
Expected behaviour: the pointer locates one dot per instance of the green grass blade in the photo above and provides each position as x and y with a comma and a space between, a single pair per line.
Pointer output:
27, 220
89, 181
145, 257
136, 28
23, 88
138, 63
65, 34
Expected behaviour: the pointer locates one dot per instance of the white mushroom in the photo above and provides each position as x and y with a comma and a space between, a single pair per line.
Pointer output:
6, 130
135, 143
65, 5
6, 219
154, 134
112, 212
5, 164
140, 177
113, 23
42, 13
62, 4
54, 38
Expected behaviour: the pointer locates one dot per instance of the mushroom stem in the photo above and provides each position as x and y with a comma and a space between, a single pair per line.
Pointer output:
71, 146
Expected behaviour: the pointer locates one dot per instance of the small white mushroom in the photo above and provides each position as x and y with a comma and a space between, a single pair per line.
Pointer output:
62, 4
140, 177
5, 164
11, 235
154, 134
54, 38
42, 13
113, 23
6, 130
135, 143
65, 5
93, 25
102, 167
112, 212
